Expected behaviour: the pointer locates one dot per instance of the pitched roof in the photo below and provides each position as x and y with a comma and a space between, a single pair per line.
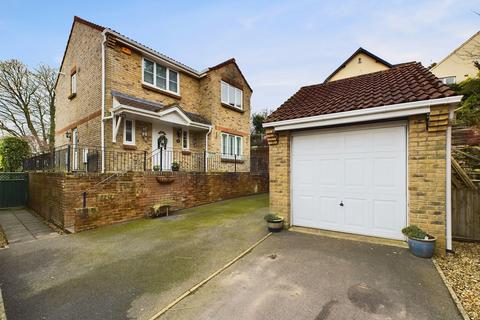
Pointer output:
456, 50
148, 105
227, 62
400, 84
359, 50
148, 49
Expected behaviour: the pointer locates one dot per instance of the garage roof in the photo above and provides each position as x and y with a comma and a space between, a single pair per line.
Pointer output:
402, 83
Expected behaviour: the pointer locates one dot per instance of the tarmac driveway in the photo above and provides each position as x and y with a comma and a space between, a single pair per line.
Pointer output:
300, 276
130, 270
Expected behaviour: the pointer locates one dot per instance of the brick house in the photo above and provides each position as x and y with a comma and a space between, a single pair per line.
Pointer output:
115, 96
367, 154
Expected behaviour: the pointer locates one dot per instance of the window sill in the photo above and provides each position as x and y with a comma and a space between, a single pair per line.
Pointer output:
232, 160
226, 105
165, 92
186, 152
71, 96
129, 146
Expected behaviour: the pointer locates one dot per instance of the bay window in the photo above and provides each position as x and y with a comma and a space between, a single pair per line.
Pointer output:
160, 76
231, 95
232, 146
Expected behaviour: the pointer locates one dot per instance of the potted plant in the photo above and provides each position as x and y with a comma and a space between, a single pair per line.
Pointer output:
420, 243
274, 222
175, 166
156, 168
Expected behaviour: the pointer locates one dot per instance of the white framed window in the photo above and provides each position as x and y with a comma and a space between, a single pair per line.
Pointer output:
129, 132
185, 140
161, 77
232, 146
449, 80
73, 83
231, 95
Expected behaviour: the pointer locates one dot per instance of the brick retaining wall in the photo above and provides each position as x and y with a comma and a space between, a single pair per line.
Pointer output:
55, 196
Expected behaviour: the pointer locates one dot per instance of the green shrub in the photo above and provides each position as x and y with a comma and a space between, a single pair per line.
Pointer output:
272, 217
414, 232
13, 152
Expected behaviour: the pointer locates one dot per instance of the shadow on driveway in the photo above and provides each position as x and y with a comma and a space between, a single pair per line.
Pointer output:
130, 270
300, 276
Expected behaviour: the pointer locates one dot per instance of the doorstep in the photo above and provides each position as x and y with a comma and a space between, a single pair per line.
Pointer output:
350, 236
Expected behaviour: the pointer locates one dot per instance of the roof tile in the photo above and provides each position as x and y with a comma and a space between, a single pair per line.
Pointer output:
402, 83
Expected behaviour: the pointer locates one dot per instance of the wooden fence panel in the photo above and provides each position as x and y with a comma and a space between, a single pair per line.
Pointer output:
466, 214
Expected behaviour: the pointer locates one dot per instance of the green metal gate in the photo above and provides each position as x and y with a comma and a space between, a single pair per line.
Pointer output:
13, 189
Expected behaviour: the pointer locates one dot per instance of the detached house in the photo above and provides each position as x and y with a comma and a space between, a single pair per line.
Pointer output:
366, 152
121, 105
459, 65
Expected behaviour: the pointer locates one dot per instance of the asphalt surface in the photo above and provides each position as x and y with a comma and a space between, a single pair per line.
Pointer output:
130, 270
300, 276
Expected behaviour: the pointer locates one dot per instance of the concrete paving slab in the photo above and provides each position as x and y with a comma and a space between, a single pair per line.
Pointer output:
20, 225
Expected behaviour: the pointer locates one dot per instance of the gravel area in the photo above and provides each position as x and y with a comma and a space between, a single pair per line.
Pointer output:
462, 270
3, 238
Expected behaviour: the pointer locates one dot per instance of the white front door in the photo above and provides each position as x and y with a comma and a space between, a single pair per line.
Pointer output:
162, 157
350, 180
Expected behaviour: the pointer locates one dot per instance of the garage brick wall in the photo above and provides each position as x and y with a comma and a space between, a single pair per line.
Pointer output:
279, 162
426, 173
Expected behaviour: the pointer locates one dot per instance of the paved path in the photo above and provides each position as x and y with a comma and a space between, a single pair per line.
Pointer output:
20, 226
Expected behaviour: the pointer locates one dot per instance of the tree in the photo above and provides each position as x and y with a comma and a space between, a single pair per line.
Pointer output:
257, 121
27, 102
13, 151
469, 111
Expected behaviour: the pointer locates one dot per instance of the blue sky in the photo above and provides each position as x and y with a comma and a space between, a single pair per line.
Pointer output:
279, 45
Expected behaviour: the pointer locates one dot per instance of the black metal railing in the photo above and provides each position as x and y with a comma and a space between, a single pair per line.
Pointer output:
70, 158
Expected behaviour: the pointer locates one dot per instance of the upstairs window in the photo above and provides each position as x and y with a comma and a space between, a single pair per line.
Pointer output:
160, 76
232, 146
129, 132
73, 82
449, 80
231, 95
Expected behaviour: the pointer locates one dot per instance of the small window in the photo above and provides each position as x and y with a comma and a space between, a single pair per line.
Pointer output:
160, 76
231, 95
185, 142
129, 132
449, 80
232, 146
73, 83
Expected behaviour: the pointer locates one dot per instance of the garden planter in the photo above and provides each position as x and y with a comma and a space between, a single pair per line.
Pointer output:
275, 225
423, 248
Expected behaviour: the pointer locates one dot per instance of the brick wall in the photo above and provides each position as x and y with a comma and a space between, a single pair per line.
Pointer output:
279, 171
427, 173
130, 195
84, 52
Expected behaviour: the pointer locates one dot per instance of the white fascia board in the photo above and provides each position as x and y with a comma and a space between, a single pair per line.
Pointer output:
370, 114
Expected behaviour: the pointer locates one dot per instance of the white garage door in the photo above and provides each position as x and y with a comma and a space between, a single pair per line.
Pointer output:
350, 181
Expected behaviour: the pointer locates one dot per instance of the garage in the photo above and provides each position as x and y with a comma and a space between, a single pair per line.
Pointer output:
351, 180
368, 154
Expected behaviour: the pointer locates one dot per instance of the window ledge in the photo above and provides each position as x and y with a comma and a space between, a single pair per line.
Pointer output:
165, 92
232, 160
72, 95
226, 105
129, 146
